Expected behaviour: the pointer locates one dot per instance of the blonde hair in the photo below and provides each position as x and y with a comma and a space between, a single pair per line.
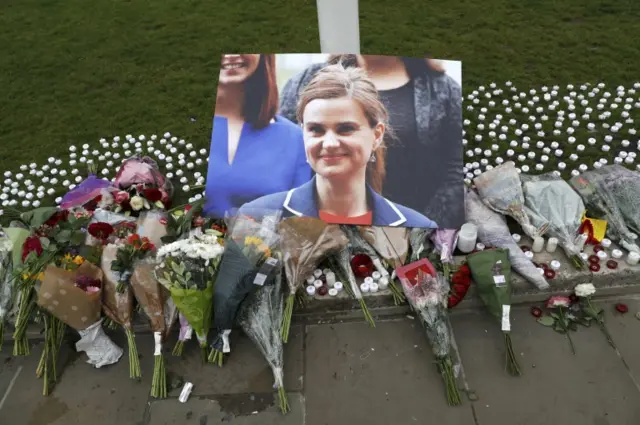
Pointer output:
336, 81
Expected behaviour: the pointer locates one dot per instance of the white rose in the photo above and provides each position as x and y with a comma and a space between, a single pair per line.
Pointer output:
584, 290
137, 203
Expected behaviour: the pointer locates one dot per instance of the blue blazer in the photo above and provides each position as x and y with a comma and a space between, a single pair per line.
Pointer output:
301, 202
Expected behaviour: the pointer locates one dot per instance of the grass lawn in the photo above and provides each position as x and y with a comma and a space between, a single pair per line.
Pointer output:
73, 71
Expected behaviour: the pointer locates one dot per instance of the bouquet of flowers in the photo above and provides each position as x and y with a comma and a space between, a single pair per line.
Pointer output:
188, 268
247, 261
342, 262
93, 192
444, 241
6, 279
260, 317
500, 189
160, 309
181, 221
118, 306
610, 192
549, 199
493, 231
418, 239
491, 272
305, 242
427, 295
74, 298
141, 187
129, 252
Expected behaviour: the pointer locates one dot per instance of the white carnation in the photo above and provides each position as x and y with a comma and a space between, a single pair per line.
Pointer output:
585, 290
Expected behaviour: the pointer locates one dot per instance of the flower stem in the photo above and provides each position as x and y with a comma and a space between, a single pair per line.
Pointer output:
216, 357
178, 349
204, 353
283, 401
120, 287
286, 318
1, 332
567, 330
445, 366
398, 295
159, 381
367, 315
511, 360
134, 360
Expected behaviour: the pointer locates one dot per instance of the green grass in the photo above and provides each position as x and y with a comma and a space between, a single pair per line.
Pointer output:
74, 71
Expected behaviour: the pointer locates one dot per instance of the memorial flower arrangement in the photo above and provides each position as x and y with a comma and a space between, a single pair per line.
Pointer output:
129, 252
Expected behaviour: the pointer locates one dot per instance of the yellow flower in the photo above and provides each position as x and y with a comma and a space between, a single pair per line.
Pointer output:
40, 276
67, 258
252, 240
25, 276
78, 260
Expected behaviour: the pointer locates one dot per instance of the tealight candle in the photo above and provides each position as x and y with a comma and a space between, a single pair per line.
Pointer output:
552, 244
383, 283
616, 253
538, 244
555, 265
525, 168
333, 292
480, 246
618, 160
583, 167
529, 255
633, 258
317, 273
364, 287
516, 237
368, 280
373, 287
540, 270
311, 290
606, 148
339, 286
562, 165
376, 276
584, 256
606, 243
602, 255
310, 280
318, 283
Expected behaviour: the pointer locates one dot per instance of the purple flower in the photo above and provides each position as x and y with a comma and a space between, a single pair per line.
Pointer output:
444, 241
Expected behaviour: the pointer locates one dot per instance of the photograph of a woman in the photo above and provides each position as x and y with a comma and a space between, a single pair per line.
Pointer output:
254, 151
424, 160
344, 125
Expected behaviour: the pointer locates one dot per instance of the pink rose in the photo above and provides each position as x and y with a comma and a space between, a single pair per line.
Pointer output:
121, 197
558, 301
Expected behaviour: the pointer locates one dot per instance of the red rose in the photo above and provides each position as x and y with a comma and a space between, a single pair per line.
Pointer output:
152, 194
133, 239
536, 311
57, 218
30, 245
100, 230
465, 270
188, 208
121, 197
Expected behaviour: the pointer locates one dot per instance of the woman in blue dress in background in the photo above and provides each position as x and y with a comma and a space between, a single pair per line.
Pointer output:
254, 152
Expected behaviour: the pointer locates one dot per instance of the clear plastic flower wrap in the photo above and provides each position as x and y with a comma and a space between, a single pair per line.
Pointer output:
549, 199
153, 225
260, 317
142, 170
427, 296
247, 261
86, 191
613, 192
501, 190
7, 286
493, 231
419, 241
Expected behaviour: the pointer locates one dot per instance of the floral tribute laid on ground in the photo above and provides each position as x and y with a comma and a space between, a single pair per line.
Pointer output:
91, 243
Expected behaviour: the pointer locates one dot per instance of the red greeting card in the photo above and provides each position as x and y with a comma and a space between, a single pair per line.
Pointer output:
410, 271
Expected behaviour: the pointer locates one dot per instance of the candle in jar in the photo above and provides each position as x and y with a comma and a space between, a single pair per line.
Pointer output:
616, 253
633, 258
606, 243
331, 279
311, 290
467, 237
555, 265
602, 255
338, 286
364, 287
318, 284
552, 244
516, 237
383, 283
538, 244
529, 255
326, 271
317, 273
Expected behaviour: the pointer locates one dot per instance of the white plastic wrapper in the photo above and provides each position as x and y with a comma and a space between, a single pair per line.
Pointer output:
493, 231
98, 346
150, 226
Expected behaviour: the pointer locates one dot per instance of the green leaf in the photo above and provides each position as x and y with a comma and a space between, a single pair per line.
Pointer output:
78, 238
555, 315
175, 268
159, 204
546, 321
64, 236
37, 217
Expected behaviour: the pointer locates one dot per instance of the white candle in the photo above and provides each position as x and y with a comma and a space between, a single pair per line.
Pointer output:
529, 255
373, 287
317, 273
326, 271
310, 280
555, 265
602, 255
331, 279
376, 276
364, 287
368, 281
581, 240
538, 244
480, 246
616, 253
516, 237
540, 270
339, 286
383, 283
467, 237
333, 292
552, 244
584, 256
606, 243
311, 290
633, 258
318, 284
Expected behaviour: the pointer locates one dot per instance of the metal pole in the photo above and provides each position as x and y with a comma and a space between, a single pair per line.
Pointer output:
339, 26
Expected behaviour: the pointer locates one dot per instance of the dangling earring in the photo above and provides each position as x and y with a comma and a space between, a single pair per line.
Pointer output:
373, 157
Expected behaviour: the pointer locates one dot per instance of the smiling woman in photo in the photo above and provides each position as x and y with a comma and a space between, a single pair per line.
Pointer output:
344, 125
254, 152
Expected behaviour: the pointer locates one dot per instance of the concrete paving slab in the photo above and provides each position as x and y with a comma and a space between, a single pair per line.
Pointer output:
359, 375
592, 387
244, 371
83, 395
239, 409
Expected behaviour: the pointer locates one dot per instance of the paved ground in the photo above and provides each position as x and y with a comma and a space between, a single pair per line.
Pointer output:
347, 373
